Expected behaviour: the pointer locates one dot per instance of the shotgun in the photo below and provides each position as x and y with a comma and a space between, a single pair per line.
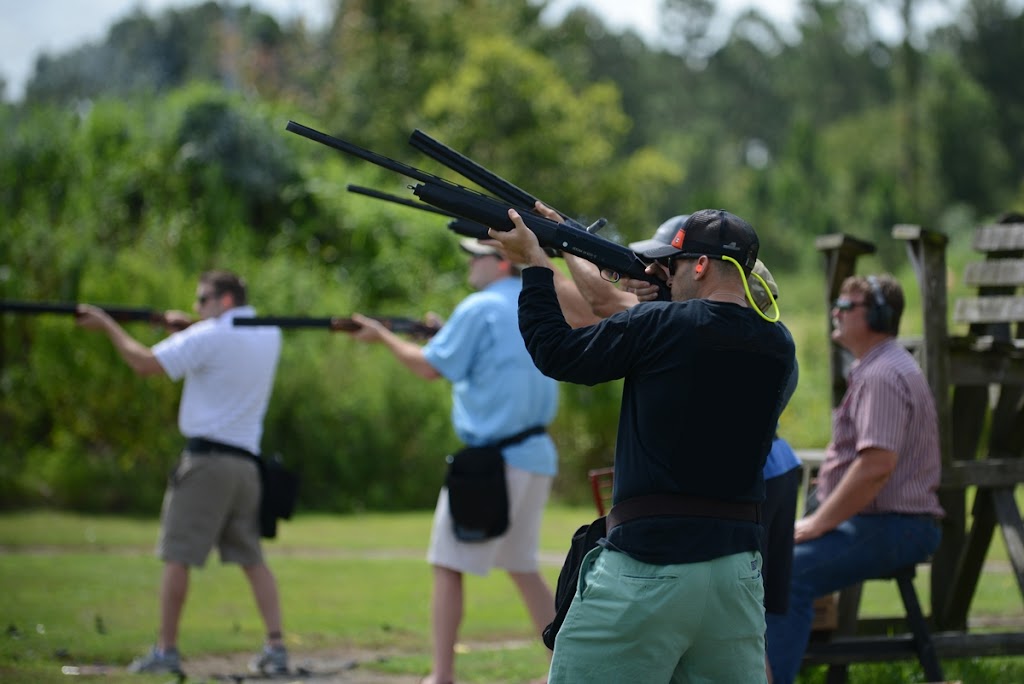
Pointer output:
399, 325
489, 181
118, 313
568, 236
458, 225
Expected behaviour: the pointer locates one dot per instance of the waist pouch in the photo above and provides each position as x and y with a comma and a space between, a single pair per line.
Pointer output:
587, 536
279, 494
477, 491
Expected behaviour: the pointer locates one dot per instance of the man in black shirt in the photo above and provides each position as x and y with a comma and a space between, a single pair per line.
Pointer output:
674, 592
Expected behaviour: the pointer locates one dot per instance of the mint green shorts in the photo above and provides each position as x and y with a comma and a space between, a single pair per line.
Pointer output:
636, 622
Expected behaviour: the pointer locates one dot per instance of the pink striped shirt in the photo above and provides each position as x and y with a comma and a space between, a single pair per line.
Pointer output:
888, 405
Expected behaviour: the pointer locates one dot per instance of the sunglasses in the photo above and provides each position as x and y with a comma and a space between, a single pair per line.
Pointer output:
668, 264
843, 304
203, 298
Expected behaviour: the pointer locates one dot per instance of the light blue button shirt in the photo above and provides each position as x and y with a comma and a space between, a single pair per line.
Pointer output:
496, 390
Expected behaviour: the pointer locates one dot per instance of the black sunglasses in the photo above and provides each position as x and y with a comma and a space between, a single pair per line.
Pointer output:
670, 264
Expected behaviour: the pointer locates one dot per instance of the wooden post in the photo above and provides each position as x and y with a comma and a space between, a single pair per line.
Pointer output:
841, 253
927, 253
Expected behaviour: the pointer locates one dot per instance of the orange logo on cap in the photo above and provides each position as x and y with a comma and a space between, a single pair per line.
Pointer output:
677, 241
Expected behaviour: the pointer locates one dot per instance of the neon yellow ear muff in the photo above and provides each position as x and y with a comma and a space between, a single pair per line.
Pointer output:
750, 297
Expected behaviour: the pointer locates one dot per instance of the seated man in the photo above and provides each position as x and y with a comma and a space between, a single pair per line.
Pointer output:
878, 509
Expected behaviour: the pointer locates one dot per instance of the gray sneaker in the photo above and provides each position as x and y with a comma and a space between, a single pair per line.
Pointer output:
271, 660
157, 661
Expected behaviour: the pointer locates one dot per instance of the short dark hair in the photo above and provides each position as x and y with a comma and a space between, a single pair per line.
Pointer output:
226, 282
891, 293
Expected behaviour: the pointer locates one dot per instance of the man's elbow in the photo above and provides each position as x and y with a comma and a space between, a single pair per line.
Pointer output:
879, 464
605, 309
147, 367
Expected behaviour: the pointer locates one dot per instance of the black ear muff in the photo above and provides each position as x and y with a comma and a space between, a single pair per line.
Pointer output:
879, 313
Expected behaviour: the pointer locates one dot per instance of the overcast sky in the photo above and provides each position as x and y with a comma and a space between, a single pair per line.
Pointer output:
31, 27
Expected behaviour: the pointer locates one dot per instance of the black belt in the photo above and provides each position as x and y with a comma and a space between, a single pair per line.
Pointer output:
201, 445
654, 505
520, 436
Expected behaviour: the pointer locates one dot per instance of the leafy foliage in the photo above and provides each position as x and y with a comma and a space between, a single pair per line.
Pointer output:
137, 162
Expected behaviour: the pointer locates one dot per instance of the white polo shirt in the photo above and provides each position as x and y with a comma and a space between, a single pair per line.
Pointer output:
229, 375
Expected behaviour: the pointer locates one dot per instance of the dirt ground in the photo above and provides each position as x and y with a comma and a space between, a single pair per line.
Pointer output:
334, 667
342, 666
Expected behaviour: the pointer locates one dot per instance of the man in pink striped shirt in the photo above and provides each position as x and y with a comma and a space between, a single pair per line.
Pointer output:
877, 507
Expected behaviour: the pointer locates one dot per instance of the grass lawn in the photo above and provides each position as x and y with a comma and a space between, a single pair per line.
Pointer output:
83, 589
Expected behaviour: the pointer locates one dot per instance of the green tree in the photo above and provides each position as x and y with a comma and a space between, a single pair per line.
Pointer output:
509, 109
990, 43
213, 42
971, 160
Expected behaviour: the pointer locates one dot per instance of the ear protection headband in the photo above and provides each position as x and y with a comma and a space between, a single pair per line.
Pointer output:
880, 314
750, 297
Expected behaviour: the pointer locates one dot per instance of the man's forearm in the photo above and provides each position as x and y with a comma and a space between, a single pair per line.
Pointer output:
575, 307
857, 489
603, 298
138, 356
410, 355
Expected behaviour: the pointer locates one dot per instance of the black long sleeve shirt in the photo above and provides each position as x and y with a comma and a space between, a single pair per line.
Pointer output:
702, 393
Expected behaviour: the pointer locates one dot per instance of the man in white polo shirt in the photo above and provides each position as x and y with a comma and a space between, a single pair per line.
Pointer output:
213, 495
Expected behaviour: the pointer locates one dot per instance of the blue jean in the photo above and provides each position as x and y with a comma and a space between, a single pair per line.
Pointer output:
863, 547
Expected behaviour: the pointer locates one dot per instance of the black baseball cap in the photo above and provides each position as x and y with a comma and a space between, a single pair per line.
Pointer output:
714, 233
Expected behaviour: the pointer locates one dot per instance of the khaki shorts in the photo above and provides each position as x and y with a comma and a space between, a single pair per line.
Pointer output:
211, 500
516, 550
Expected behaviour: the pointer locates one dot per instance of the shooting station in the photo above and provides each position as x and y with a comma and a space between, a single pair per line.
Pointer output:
977, 379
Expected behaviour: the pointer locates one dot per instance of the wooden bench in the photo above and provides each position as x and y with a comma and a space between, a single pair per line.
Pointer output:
839, 652
985, 369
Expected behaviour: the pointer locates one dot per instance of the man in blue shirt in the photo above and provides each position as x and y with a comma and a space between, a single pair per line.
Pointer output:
497, 393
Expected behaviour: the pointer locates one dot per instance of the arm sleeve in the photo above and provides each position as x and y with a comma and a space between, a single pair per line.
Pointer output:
586, 356
453, 350
180, 352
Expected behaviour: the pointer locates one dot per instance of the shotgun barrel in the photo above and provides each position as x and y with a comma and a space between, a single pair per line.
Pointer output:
118, 313
395, 324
